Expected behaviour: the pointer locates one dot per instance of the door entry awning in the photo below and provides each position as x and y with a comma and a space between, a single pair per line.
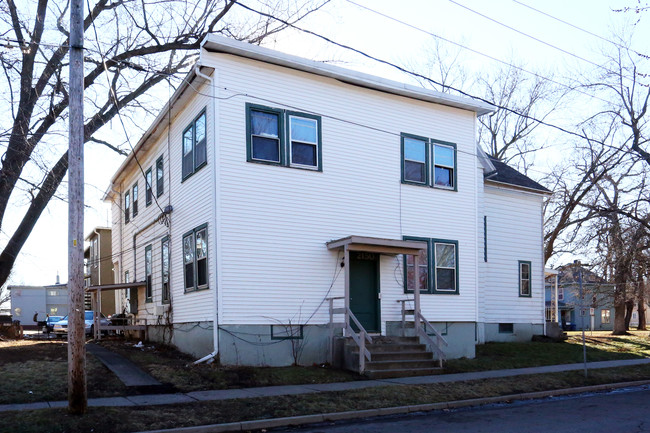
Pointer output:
120, 286
378, 245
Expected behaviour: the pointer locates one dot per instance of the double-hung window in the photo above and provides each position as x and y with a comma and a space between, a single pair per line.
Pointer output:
135, 199
446, 266
444, 164
127, 207
194, 147
524, 279
415, 157
438, 267
280, 137
430, 162
423, 265
195, 259
160, 177
147, 192
147, 274
164, 253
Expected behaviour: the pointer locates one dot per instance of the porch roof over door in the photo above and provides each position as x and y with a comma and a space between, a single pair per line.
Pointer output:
378, 245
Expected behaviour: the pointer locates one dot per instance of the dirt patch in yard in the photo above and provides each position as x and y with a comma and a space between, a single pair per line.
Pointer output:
36, 370
168, 365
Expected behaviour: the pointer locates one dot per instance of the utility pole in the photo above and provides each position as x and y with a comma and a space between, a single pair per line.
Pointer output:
77, 394
582, 315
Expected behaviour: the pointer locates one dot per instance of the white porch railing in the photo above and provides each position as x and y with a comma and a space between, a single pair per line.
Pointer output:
359, 338
422, 331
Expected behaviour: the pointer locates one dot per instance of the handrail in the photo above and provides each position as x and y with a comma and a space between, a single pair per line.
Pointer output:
422, 331
359, 338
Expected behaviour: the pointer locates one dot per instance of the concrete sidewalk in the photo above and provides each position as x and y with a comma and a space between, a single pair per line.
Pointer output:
227, 394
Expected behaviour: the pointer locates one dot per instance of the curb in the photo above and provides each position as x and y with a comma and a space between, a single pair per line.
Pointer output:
294, 421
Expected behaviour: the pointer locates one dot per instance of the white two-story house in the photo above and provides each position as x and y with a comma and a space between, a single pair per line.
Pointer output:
272, 187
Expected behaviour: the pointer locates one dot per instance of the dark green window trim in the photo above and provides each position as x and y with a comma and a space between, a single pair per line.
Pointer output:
134, 199
148, 268
194, 165
431, 263
165, 292
433, 266
442, 327
127, 207
404, 135
195, 265
287, 332
430, 163
319, 138
160, 176
485, 243
284, 137
429, 287
148, 187
435, 142
521, 279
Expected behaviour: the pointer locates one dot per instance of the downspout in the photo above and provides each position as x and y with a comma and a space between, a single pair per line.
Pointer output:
215, 208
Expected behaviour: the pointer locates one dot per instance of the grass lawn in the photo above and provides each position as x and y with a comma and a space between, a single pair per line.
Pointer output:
171, 367
41, 366
124, 420
601, 346
36, 370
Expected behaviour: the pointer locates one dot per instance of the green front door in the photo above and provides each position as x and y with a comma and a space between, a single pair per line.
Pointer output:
364, 289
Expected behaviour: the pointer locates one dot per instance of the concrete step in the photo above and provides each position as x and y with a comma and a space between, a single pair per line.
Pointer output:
403, 355
385, 374
401, 364
393, 348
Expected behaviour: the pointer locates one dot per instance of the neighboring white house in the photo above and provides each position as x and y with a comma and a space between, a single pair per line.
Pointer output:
27, 301
271, 183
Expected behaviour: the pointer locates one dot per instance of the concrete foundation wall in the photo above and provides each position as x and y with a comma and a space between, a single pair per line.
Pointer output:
255, 345
461, 337
194, 338
521, 332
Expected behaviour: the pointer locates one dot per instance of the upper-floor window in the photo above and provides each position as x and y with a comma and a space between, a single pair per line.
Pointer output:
524, 278
127, 207
426, 161
281, 137
195, 258
160, 177
135, 199
147, 185
194, 148
438, 267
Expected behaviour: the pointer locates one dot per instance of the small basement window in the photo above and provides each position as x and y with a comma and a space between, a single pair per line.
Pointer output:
506, 328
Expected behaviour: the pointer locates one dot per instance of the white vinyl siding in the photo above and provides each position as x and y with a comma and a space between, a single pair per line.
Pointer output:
514, 237
277, 221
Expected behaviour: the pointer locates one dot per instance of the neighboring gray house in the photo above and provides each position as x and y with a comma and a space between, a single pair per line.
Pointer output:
26, 301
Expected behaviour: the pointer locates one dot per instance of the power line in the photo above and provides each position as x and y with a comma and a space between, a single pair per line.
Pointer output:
119, 115
580, 29
418, 75
537, 39
465, 47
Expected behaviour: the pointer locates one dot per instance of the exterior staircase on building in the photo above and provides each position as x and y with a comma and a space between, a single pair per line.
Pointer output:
392, 357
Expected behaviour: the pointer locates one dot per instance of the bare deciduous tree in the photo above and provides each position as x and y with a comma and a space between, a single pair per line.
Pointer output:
139, 45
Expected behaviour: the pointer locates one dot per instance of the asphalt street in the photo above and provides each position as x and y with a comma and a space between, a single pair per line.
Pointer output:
626, 410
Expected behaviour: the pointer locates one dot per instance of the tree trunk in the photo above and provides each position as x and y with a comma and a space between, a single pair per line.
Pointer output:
629, 307
641, 310
619, 304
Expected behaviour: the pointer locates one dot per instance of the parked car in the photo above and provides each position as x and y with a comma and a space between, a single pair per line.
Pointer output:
61, 327
50, 321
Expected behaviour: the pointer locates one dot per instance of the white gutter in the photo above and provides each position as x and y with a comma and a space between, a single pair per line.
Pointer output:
215, 208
